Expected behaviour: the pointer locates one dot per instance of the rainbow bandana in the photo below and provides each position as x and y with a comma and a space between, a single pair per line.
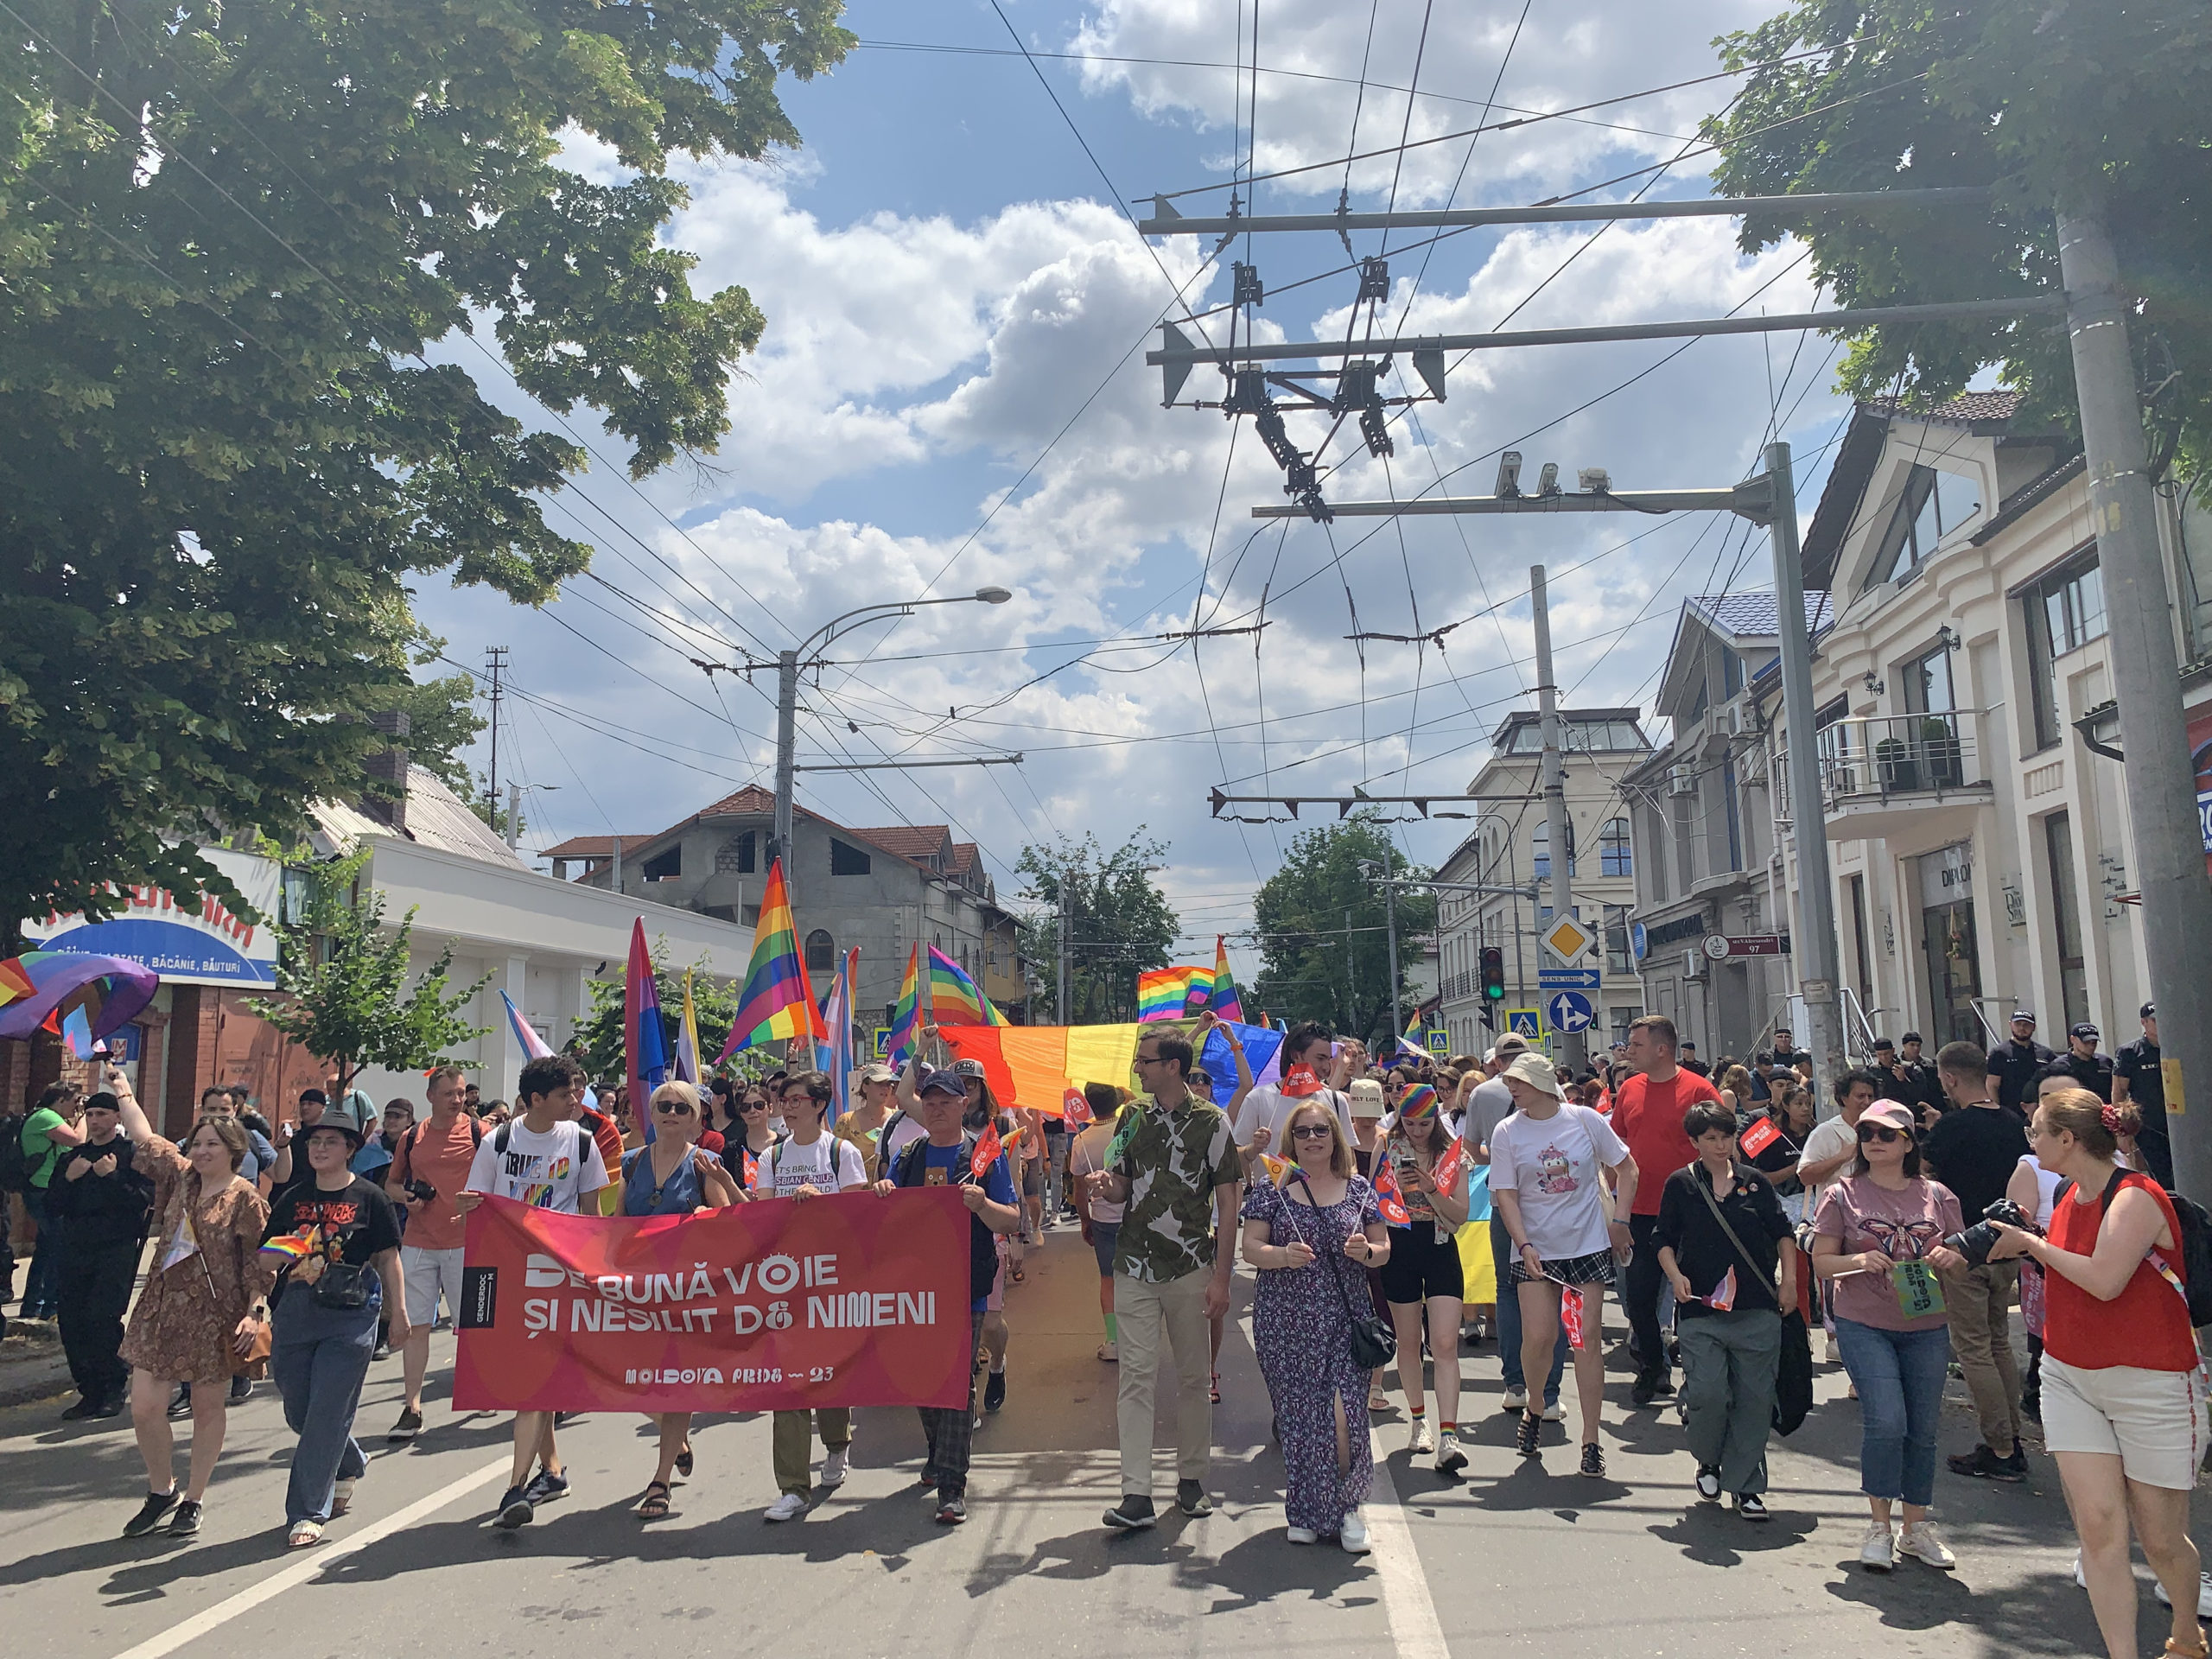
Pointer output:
1416, 1103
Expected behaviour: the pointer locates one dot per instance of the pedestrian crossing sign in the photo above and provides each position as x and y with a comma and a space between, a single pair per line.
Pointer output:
1524, 1022
883, 1042
1440, 1042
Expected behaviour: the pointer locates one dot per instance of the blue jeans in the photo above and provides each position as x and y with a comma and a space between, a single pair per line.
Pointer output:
319, 1357
1899, 1375
1508, 1320
42, 1284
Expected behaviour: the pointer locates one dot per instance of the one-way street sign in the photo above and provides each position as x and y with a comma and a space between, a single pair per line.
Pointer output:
1567, 979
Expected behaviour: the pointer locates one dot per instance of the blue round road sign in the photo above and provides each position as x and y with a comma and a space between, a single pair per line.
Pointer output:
1570, 1012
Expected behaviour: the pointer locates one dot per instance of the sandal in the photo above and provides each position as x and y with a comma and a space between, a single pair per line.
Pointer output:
1015, 1275
684, 1461
2197, 1652
304, 1534
1215, 1391
654, 1504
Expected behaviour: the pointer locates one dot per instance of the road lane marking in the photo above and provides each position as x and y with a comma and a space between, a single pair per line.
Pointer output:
313, 1562
1414, 1628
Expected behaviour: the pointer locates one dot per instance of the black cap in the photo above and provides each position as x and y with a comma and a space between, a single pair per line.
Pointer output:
102, 1102
2148, 1011
2085, 1029
1881, 1043
333, 1126
1910, 1037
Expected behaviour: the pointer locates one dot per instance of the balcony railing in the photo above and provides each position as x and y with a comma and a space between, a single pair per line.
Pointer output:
1880, 759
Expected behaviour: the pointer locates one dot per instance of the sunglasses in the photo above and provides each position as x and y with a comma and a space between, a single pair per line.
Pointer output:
753, 1106
1311, 1132
672, 1108
1881, 1132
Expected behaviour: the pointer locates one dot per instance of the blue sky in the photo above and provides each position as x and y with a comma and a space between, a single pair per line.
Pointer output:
947, 283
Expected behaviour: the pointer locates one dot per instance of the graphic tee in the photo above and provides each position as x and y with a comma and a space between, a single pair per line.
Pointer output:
787, 1167
1904, 1223
1552, 1164
553, 1170
351, 1224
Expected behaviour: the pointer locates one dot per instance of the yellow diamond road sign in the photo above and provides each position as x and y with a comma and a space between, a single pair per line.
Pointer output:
1567, 939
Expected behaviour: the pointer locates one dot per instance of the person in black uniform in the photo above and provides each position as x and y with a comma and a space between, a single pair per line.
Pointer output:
2136, 1078
100, 1203
2014, 1067
2081, 1063
1908, 1079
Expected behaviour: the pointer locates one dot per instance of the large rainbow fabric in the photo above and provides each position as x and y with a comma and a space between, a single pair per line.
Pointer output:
40, 988
906, 1014
955, 999
1173, 992
1036, 1065
778, 1003
1224, 1000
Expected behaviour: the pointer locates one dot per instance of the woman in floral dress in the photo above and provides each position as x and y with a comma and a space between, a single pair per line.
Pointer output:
1312, 1237
202, 1304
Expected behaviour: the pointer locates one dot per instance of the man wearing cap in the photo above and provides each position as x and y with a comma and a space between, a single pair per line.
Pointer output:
2013, 1068
1689, 1061
2137, 1077
1903, 1081
98, 1204
1922, 1072
2081, 1064
1648, 1113
1787, 1054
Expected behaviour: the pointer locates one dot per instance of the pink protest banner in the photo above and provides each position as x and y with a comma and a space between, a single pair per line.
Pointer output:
854, 1299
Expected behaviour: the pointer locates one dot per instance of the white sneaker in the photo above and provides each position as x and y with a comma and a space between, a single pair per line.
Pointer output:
1422, 1441
1835, 1354
1516, 1400
2203, 1591
2081, 1579
1877, 1550
833, 1468
1353, 1534
1920, 1539
1450, 1459
1555, 1413
1303, 1536
788, 1507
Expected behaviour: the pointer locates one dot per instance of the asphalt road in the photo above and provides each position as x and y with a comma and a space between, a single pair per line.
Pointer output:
1511, 1558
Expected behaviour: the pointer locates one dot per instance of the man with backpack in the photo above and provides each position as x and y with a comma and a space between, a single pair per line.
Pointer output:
429, 1167
944, 1156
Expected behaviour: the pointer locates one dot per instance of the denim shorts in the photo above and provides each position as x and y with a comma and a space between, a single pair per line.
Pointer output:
1103, 1235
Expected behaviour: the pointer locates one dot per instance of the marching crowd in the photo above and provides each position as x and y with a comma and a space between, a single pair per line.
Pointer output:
1727, 1218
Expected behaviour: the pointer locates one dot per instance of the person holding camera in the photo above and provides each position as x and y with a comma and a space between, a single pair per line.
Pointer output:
2123, 1398
428, 1168
1973, 1149
1879, 1240
342, 1235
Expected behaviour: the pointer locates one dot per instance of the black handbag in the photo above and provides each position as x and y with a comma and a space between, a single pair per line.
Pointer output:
343, 1287
1374, 1344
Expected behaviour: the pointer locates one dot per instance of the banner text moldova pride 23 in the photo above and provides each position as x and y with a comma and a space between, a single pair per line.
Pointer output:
854, 1299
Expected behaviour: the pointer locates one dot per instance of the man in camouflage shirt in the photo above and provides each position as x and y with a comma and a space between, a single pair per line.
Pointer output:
1174, 1165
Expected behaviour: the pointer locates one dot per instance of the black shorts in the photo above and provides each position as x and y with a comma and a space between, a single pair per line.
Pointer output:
1421, 1267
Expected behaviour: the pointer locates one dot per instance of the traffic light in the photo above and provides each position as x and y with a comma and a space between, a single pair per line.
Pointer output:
1493, 975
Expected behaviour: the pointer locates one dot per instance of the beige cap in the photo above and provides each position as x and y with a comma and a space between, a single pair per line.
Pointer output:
1366, 1098
1536, 1070
876, 1071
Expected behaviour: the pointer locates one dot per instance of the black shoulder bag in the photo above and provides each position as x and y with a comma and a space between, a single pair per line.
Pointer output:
1374, 1345
1793, 1376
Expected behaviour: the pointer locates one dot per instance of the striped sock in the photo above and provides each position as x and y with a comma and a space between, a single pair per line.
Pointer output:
1447, 1429
1416, 1411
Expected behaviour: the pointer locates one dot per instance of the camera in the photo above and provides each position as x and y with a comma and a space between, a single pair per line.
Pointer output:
1975, 1242
423, 1192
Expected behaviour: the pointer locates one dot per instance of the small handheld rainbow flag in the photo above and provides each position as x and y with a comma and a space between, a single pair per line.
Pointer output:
1225, 1000
777, 1004
955, 999
291, 1247
907, 1016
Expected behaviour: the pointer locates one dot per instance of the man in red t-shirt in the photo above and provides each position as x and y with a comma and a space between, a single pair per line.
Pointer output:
1648, 1115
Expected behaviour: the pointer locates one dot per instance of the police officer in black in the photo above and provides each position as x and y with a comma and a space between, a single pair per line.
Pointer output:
101, 1203
2137, 1077
2014, 1066
1908, 1081
2083, 1064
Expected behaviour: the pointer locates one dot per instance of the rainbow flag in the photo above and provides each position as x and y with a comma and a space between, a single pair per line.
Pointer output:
834, 1054
1036, 1065
777, 1004
907, 1017
1173, 992
533, 1046
1225, 1001
955, 999
644, 1040
291, 1247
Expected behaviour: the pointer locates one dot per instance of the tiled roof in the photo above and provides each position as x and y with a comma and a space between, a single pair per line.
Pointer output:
919, 841
435, 817
1969, 407
1752, 616
965, 856
747, 803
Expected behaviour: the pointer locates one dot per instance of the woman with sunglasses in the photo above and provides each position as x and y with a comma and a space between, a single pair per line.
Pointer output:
1310, 1240
1424, 1267
750, 1132
1879, 1240
673, 1175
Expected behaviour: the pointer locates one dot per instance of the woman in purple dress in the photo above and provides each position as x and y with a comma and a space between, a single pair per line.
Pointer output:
1312, 1236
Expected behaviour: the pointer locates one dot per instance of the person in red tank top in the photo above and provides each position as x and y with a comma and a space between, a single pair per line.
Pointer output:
2123, 1393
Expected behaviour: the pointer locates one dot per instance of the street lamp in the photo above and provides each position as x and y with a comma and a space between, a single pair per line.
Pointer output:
787, 666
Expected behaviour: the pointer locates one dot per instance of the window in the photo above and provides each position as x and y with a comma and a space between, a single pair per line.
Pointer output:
667, 867
1731, 673
2066, 916
821, 953
1615, 856
1540, 850
846, 859
1933, 504
1735, 817
2065, 610
739, 855
1928, 684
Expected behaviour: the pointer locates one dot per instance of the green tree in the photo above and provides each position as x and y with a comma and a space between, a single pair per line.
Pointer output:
1121, 923
442, 721
228, 236
2038, 101
1307, 970
349, 1000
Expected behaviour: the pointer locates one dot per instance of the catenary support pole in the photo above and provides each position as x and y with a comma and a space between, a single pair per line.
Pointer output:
2176, 909
1813, 944
1573, 1045
786, 752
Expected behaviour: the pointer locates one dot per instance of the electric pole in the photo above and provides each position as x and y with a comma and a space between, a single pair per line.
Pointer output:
786, 751
495, 669
1065, 1004
2147, 674
1553, 771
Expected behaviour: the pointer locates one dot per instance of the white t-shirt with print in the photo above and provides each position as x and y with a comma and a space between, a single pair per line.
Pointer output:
1551, 1164
786, 1167
556, 1170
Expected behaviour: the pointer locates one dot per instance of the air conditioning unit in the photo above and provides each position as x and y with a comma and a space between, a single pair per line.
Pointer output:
1682, 780
1692, 964
1742, 723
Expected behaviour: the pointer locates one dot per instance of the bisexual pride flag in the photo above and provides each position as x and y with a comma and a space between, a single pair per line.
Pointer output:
644, 1040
